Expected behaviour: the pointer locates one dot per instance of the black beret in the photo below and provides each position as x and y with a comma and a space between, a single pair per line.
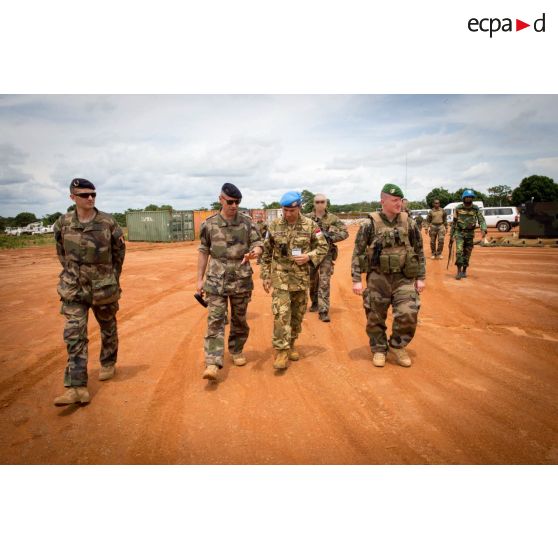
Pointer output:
231, 190
81, 183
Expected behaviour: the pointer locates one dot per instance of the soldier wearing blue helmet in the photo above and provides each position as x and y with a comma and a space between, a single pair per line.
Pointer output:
465, 218
291, 242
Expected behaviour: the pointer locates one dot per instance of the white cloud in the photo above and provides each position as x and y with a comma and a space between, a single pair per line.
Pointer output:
546, 166
179, 149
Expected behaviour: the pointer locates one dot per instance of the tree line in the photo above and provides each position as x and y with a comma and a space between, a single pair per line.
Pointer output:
536, 188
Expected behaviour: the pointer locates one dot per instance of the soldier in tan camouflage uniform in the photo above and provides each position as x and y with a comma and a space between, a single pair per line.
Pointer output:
437, 221
334, 231
231, 239
90, 247
388, 248
292, 241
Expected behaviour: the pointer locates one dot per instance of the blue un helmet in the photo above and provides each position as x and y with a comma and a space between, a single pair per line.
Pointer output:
467, 194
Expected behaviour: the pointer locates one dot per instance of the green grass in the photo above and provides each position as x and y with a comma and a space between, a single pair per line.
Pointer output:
11, 242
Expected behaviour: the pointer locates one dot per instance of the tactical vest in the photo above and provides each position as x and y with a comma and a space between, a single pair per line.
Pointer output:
390, 249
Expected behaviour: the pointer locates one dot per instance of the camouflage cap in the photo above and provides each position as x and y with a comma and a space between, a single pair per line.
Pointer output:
81, 183
392, 190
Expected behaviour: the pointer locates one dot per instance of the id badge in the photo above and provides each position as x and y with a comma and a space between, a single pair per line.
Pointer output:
296, 251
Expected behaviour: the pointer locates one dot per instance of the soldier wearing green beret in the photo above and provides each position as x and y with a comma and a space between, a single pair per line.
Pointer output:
388, 248
90, 247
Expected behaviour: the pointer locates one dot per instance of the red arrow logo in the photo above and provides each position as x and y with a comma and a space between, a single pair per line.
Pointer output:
519, 25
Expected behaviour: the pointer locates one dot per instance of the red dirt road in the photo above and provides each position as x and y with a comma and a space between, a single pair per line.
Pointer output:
483, 387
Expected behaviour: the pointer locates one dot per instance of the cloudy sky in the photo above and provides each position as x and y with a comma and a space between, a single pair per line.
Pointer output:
179, 149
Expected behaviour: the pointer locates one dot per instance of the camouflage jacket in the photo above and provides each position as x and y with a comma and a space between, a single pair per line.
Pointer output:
365, 236
92, 255
465, 219
226, 243
262, 228
277, 261
333, 228
437, 215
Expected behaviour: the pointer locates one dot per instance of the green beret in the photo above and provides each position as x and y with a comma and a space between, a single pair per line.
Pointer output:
392, 190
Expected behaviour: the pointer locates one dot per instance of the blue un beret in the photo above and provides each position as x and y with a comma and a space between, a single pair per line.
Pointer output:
291, 199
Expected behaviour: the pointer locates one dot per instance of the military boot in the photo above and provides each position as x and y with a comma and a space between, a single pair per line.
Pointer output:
293, 353
281, 360
107, 372
324, 317
379, 359
238, 359
458, 276
73, 395
403, 359
464, 272
314, 307
211, 373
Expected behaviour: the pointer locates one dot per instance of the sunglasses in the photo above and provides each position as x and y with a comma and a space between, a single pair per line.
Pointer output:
230, 202
85, 196
319, 201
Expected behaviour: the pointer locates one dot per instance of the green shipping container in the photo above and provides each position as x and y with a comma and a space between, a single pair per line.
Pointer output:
160, 226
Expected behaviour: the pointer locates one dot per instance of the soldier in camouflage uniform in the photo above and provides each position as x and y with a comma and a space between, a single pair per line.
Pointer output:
292, 241
228, 240
261, 227
90, 247
334, 230
418, 220
465, 217
388, 248
437, 221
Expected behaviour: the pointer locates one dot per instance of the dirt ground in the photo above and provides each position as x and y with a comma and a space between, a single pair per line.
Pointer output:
483, 387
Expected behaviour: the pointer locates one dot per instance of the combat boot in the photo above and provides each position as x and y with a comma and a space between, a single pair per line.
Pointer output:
293, 353
211, 373
238, 359
107, 372
281, 360
73, 395
458, 276
403, 359
379, 359
464, 272
314, 307
324, 317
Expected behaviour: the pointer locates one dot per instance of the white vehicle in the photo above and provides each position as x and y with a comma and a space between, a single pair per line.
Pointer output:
503, 218
422, 212
451, 206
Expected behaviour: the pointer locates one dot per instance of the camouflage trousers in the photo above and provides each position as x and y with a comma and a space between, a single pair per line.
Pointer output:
288, 309
320, 278
214, 344
75, 337
463, 247
381, 292
437, 232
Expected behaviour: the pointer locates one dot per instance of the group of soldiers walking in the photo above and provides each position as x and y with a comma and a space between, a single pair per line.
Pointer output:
297, 254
